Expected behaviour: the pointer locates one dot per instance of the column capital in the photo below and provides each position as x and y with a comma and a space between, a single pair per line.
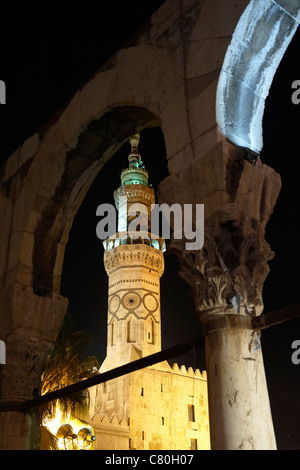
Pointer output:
228, 273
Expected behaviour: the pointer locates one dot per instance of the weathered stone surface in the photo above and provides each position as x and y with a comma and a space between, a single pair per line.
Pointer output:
29, 148
26, 436
29, 325
257, 47
239, 407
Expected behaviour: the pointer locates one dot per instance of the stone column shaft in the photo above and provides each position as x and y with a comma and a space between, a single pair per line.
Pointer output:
239, 408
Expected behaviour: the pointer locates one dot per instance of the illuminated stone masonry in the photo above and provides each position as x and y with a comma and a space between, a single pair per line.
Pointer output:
158, 407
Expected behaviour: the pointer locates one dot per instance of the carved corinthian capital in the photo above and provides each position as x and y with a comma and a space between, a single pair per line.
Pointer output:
228, 273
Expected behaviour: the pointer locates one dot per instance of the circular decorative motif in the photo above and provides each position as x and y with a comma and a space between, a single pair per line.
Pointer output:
131, 300
150, 302
114, 304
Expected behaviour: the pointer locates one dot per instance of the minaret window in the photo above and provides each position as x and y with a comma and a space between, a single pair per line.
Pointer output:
191, 413
194, 444
150, 331
131, 330
113, 333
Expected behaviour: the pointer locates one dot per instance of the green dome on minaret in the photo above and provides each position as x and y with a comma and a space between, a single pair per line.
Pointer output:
136, 173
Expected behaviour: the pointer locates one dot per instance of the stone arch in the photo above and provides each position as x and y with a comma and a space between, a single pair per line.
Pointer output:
99, 140
131, 329
258, 44
45, 180
43, 185
150, 331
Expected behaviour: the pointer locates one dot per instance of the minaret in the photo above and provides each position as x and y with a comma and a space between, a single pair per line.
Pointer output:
134, 263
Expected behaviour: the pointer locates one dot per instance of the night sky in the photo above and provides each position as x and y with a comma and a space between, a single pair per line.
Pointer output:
46, 55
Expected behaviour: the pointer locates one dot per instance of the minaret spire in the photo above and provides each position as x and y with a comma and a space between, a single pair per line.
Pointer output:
136, 173
134, 265
134, 156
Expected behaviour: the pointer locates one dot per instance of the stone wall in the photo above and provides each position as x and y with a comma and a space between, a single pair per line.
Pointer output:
162, 407
169, 409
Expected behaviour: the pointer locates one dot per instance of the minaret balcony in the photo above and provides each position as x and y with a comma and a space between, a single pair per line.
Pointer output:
134, 238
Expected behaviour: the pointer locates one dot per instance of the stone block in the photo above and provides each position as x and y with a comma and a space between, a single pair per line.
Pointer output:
11, 165
162, 21
218, 19
51, 147
291, 7
69, 121
6, 209
29, 148
205, 56
199, 97
94, 96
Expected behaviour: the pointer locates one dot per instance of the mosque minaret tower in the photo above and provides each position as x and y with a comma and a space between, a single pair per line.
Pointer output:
134, 263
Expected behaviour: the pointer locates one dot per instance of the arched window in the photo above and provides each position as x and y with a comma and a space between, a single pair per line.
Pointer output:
150, 331
131, 330
113, 333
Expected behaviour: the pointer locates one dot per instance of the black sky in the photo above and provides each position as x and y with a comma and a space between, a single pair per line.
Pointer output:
47, 54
